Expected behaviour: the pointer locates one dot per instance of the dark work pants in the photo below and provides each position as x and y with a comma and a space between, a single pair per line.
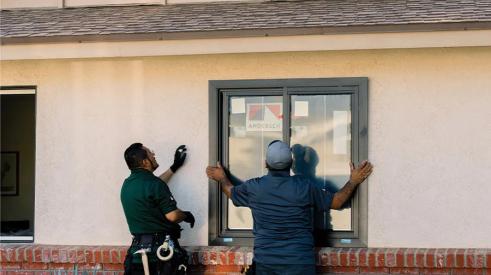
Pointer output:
284, 269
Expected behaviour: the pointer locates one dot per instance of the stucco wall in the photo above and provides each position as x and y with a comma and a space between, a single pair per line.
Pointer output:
429, 133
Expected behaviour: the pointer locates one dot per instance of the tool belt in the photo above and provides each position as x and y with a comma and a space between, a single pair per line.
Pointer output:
151, 242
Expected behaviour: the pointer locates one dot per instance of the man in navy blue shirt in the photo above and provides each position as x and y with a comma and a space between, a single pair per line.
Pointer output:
281, 207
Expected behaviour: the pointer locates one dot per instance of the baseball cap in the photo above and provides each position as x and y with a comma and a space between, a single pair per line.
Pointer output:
278, 155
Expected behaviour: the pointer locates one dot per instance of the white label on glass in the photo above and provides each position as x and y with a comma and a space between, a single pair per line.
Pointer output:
340, 132
264, 117
228, 240
301, 108
345, 241
237, 105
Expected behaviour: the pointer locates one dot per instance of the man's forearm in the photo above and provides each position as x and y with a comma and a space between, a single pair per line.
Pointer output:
343, 195
226, 186
166, 176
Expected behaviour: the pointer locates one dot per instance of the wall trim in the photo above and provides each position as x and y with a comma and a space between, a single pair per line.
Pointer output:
330, 42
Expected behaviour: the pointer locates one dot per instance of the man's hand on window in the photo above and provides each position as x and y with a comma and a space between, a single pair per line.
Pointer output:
360, 173
216, 172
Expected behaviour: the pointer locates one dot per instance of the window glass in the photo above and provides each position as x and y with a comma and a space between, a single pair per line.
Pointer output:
254, 121
321, 146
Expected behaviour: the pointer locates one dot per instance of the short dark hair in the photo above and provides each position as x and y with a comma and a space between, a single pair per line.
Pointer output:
134, 155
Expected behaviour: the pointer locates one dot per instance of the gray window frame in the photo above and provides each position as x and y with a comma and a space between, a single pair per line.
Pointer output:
219, 90
34, 88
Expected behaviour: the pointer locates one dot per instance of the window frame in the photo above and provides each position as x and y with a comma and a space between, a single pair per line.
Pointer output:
19, 90
221, 90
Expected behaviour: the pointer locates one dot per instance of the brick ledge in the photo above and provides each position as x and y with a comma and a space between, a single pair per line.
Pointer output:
229, 260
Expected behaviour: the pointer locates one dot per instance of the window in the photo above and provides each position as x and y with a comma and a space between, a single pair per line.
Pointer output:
17, 163
324, 121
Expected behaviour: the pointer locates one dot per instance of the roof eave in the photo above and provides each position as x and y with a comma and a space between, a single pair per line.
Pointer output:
217, 34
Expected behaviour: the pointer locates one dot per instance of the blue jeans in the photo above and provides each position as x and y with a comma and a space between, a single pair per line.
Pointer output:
285, 269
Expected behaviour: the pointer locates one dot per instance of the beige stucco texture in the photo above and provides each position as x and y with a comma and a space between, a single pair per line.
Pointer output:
429, 134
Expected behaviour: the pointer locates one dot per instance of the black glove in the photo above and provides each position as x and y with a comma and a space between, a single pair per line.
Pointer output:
179, 158
189, 218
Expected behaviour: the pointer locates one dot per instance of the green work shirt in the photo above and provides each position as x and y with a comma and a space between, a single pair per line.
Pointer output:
146, 199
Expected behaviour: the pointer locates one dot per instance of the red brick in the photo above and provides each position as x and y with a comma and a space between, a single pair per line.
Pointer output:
374, 270
450, 258
228, 268
344, 269
352, 257
61, 266
333, 258
440, 258
390, 258
115, 256
430, 259
404, 270
231, 256
89, 254
362, 257
8, 265
38, 254
400, 257
10, 254
20, 254
475, 258
204, 257
460, 258
410, 257
420, 257
91, 266
80, 255
212, 257
343, 257
470, 257
97, 255
487, 264
106, 256
380, 257
467, 271
222, 257
43, 273
3, 255
46, 254
435, 271
487, 271
35, 266
372, 257
111, 267
72, 255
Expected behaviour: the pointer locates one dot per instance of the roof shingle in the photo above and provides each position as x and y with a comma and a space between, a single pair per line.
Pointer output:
237, 16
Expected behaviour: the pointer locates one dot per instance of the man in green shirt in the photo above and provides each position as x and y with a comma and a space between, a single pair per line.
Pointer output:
151, 210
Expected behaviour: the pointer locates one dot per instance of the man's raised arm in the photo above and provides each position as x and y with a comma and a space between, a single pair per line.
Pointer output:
358, 175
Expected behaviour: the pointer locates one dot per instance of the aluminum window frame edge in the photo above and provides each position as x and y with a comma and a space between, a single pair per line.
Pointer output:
219, 90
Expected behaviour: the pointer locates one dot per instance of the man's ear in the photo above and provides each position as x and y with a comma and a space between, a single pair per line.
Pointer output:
146, 163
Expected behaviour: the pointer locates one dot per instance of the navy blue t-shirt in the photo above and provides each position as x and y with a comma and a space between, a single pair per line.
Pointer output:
281, 208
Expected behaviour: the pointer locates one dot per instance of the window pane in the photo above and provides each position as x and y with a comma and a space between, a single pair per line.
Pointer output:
321, 145
254, 122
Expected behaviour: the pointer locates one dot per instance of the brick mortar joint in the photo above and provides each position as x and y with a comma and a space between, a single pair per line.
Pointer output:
238, 256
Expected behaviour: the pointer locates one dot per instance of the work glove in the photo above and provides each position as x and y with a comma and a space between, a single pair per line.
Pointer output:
179, 158
189, 218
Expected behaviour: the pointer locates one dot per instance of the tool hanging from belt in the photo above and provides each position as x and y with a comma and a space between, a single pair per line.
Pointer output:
165, 252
